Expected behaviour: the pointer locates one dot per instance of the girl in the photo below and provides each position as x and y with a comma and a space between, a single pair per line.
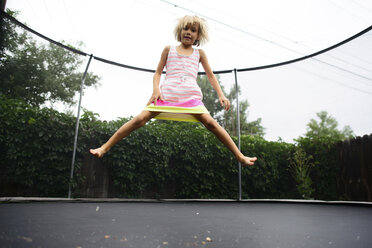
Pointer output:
179, 96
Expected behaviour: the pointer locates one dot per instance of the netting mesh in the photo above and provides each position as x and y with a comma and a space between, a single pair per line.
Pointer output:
339, 82
122, 93
284, 97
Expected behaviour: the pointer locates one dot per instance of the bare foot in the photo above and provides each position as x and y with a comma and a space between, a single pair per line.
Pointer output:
98, 152
247, 161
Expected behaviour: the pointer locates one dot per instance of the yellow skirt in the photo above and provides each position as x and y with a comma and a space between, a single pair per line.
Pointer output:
178, 111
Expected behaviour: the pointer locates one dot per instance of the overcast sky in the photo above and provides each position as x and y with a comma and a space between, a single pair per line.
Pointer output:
243, 34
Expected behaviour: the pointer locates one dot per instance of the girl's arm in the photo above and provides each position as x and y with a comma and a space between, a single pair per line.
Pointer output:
213, 80
156, 79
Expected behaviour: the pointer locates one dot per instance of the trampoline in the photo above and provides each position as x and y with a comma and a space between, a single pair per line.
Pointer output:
180, 223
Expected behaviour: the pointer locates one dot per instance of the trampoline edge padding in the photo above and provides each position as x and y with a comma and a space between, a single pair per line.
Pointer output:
129, 200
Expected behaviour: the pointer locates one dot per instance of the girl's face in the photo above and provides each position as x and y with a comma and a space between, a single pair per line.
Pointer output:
190, 34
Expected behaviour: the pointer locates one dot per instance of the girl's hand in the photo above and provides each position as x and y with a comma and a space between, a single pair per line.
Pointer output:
155, 97
224, 102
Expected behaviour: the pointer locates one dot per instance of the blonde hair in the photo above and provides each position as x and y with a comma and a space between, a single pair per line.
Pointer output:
203, 29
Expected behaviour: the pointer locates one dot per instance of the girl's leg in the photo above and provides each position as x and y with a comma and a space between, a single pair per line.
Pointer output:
128, 127
213, 126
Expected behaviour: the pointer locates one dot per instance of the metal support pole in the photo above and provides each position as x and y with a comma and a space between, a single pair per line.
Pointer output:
238, 131
77, 127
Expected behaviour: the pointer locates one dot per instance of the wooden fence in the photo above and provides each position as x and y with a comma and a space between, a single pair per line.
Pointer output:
355, 161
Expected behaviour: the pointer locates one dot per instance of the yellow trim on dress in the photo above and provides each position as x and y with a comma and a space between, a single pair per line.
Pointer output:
174, 113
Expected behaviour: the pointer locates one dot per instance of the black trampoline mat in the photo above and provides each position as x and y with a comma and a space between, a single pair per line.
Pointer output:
184, 224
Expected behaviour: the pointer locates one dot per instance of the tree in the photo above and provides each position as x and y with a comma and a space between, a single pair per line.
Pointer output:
320, 142
210, 97
300, 167
327, 127
227, 119
38, 73
252, 128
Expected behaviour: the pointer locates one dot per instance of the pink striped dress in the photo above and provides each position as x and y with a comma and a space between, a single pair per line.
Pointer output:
180, 91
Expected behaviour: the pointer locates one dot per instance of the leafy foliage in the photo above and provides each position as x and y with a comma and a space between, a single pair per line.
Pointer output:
227, 119
210, 97
300, 167
326, 170
183, 160
230, 118
327, 127
269, 178
180, 160
37, 73
35, 147
321, 141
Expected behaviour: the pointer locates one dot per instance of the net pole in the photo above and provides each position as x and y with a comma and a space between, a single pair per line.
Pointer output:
77, 126
238, 131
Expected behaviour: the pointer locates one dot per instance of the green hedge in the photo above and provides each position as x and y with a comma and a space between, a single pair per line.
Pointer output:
326, 171
190, 161
183, 160
36, 148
